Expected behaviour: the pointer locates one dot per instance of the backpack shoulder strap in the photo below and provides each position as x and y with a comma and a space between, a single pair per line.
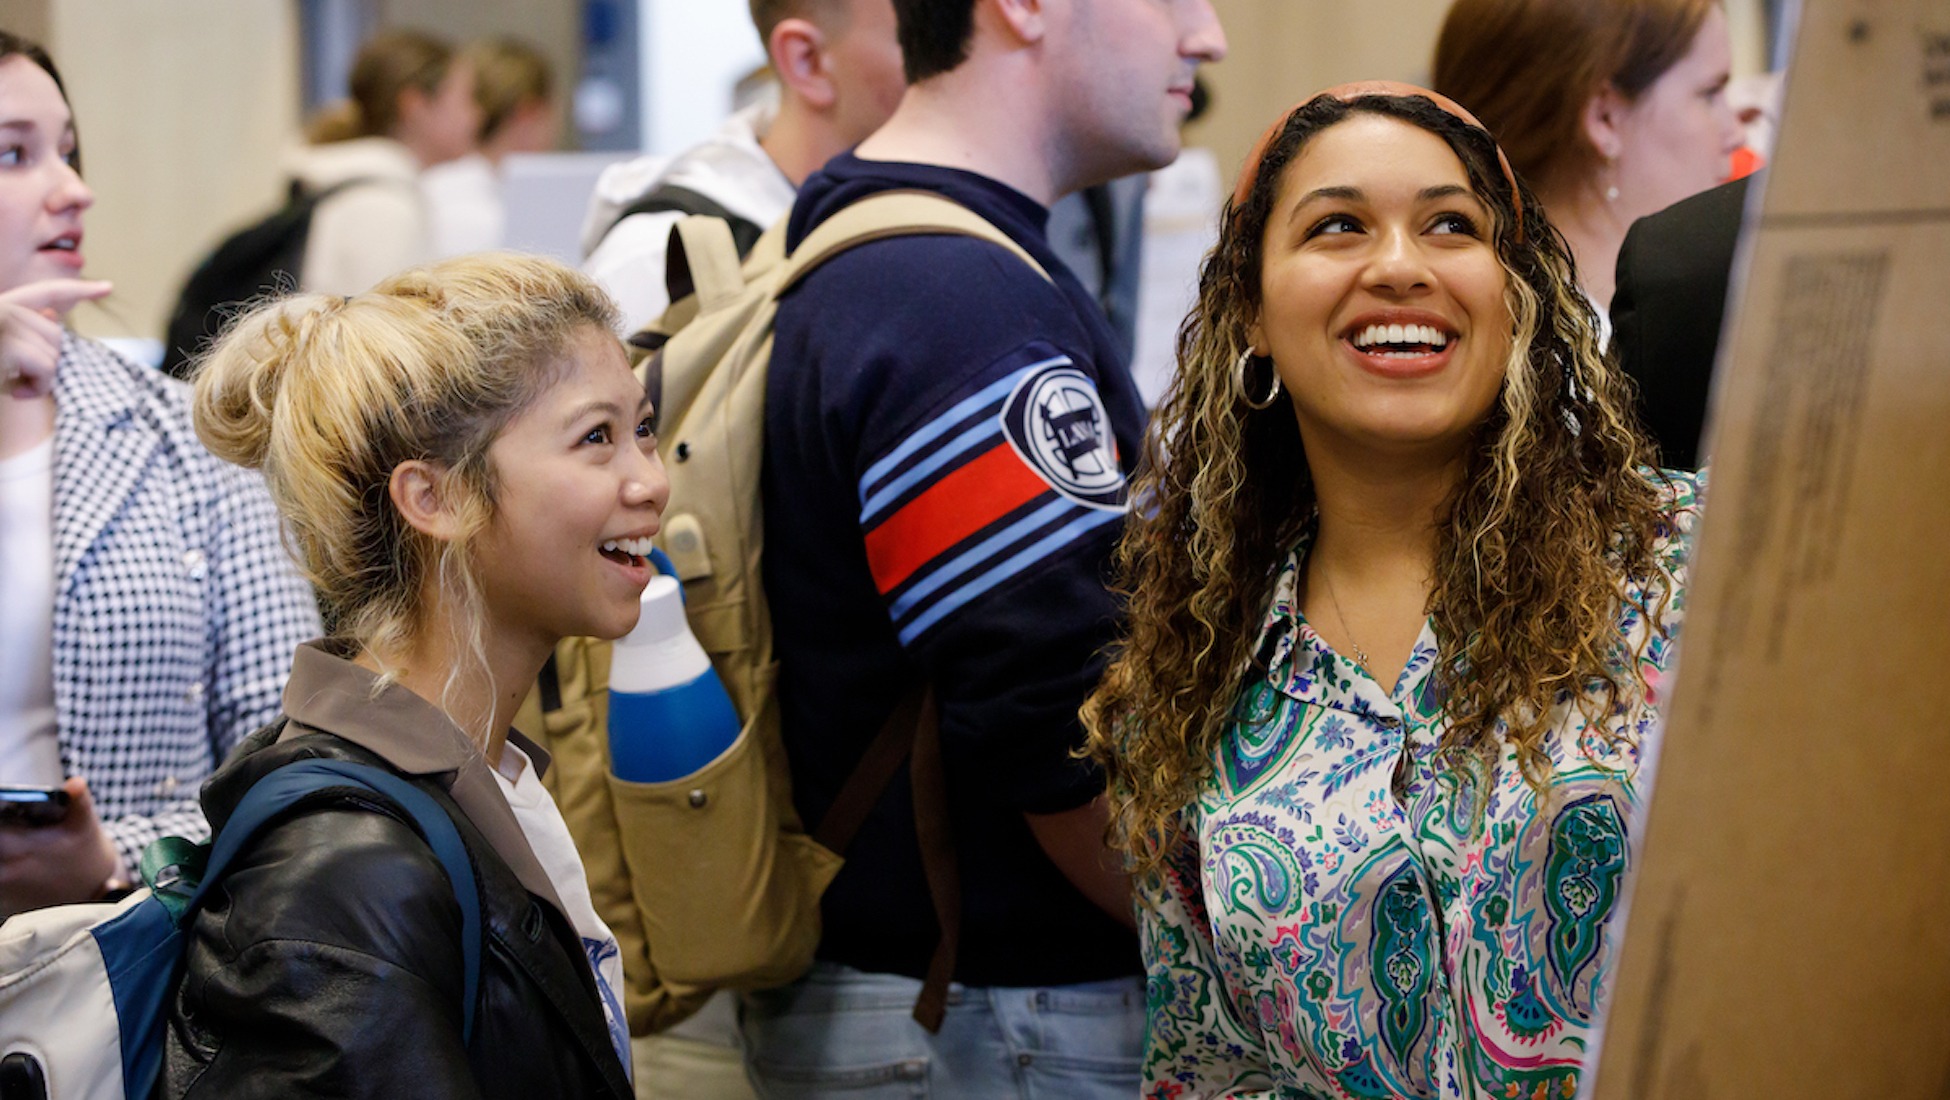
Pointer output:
900, 213
911, 735
703, 260
667, 198
300, 195
281, 790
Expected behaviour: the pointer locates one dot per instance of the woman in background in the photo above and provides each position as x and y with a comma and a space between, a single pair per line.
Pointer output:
515, 90
1397, 613
1609, 109
465, 461
147, 609
411, 107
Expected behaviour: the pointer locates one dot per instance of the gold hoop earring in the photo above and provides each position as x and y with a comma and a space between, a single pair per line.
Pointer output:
1242, 385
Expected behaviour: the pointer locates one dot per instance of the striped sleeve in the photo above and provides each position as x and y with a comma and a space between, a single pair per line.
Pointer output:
999, 481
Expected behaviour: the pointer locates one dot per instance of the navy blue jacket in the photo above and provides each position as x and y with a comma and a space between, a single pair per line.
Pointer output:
946, 440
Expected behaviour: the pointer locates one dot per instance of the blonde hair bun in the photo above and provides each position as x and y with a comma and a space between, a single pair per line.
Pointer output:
239, 381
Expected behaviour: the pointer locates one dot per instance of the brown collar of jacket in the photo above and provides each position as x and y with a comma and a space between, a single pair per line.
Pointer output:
328, 693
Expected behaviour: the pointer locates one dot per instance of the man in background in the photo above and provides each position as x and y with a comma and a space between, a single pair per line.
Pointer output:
946, 439
838, 76
838, 71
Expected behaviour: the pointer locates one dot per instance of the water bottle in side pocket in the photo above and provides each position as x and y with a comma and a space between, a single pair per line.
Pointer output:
668, 714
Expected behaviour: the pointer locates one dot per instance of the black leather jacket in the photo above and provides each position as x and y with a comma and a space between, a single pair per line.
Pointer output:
329, 961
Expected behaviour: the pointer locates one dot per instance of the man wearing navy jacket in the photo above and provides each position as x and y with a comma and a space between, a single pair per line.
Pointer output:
948, 437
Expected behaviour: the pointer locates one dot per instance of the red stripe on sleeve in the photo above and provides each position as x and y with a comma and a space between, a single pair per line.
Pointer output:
960, 504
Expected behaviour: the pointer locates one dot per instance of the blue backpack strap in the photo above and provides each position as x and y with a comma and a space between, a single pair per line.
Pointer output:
287, 786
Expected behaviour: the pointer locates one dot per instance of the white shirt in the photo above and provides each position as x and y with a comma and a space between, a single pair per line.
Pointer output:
362, 234
1604, 318
548, 836
30, 754
464, 208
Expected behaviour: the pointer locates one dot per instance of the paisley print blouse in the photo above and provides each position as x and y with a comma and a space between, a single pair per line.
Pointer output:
1350, 917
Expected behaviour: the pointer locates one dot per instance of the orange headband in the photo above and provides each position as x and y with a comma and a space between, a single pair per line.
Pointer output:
1347, 93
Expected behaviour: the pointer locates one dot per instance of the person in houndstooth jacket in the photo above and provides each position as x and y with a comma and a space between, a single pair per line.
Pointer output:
150, 610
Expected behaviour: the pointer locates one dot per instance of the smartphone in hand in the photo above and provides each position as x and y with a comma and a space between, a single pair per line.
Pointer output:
32, 807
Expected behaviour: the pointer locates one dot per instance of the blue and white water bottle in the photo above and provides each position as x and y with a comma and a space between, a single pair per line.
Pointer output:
668, 714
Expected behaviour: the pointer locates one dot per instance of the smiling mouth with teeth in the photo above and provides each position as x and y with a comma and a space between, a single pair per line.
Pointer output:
1402, 341
627, 551
60, 244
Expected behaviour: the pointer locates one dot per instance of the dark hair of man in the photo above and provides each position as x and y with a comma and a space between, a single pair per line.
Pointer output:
13, 45
934, 35
768, 14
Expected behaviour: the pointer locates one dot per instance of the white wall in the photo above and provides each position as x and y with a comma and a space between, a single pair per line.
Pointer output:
693, 52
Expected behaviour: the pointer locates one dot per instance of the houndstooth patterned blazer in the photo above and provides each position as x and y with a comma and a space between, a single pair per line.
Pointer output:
176, 606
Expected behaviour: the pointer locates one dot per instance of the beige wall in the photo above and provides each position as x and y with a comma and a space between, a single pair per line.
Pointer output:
25, 17
1280, 50
183, 108
186, 106
186, 109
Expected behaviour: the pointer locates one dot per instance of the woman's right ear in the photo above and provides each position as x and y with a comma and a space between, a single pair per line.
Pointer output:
1602, 120
416, 491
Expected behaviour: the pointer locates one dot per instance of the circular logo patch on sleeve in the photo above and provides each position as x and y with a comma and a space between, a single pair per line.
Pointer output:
1056, 421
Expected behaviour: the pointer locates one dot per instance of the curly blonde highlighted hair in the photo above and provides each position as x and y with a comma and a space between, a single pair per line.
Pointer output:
1552, 512
328, 396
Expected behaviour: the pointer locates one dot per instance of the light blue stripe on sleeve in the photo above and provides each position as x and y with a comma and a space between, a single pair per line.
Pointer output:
941, 425
1037, 550
980, 553
982, 432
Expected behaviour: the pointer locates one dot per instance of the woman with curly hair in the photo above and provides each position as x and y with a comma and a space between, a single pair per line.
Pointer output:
1400, 592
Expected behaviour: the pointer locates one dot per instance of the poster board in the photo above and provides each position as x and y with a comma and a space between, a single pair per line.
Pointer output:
1789, 930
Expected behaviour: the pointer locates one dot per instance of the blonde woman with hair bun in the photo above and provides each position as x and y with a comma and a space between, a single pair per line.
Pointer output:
465, 464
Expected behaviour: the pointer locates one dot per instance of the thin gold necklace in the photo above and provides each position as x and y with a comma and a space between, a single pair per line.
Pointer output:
1360, 655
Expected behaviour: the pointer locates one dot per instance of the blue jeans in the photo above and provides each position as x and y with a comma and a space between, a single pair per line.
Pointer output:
846, 1033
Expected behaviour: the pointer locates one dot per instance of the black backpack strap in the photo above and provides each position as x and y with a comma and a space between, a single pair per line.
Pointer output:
265, 256
300, 193
549, 682
912, 733
669, 198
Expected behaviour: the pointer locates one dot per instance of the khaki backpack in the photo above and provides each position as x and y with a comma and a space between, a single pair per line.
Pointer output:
712, 881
